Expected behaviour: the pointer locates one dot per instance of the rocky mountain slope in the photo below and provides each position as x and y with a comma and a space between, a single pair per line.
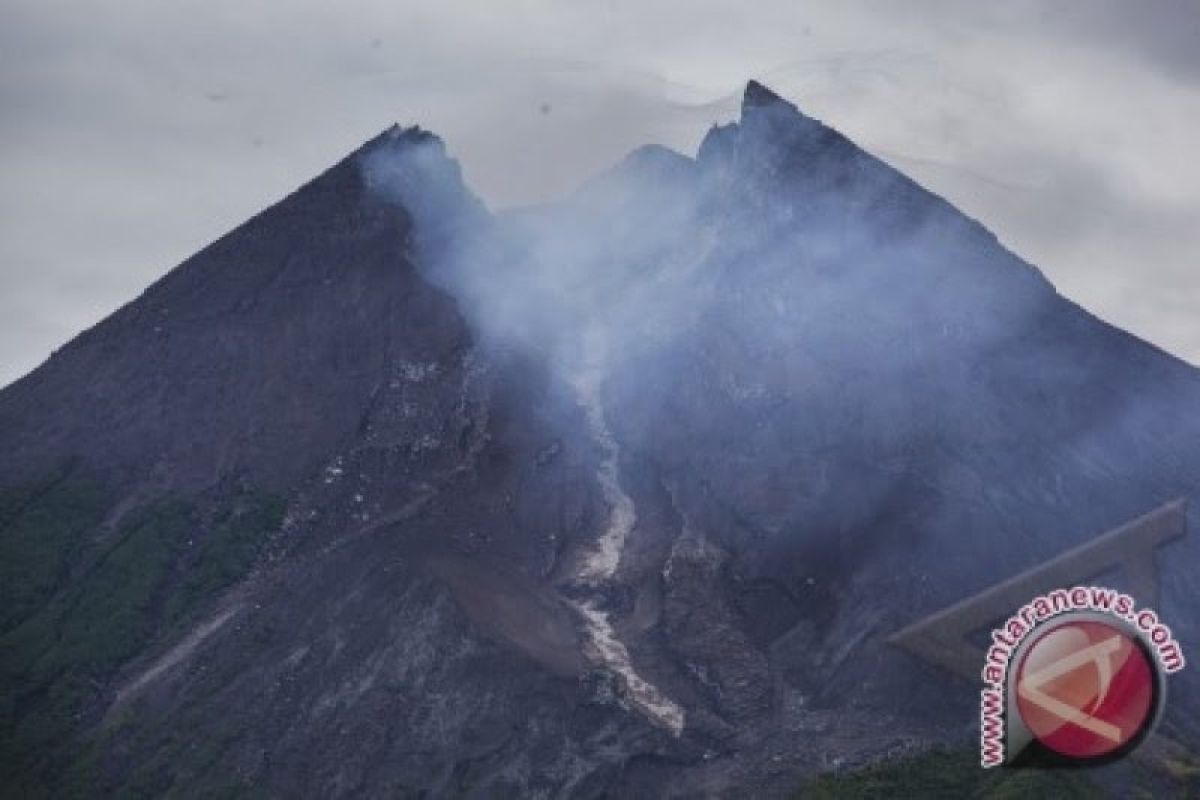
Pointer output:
386, 494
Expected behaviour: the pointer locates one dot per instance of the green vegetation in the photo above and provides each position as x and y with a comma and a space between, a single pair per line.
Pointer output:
952, 776
41, 529
79, 602
225, 553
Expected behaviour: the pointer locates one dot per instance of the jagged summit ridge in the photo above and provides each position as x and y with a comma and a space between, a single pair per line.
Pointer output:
756, 94
766, 123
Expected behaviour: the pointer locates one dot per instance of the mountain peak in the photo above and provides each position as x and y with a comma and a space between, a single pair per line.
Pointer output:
398, 137
769, 119
756, 94
412, 168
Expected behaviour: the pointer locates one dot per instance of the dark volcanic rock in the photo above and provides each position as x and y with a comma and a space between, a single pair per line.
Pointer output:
803, 400
259, 355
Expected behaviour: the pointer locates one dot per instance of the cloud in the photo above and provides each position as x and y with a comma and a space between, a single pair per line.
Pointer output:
118, 163
1165, 33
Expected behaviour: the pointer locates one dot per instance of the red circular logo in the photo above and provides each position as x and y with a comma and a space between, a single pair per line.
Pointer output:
1085, 689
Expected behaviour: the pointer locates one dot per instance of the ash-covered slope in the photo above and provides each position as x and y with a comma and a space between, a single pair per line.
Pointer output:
256, 356
382, 494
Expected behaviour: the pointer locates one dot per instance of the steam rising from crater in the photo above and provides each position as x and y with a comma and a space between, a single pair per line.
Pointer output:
791, 327
781, 244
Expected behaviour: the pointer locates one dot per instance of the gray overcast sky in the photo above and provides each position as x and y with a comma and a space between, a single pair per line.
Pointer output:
132, 133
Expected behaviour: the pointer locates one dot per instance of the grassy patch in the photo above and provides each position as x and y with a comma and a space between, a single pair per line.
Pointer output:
953, 776
225, 553
42, 529
88, 604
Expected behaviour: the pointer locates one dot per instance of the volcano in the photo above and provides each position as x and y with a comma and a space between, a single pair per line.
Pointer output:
385, 493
